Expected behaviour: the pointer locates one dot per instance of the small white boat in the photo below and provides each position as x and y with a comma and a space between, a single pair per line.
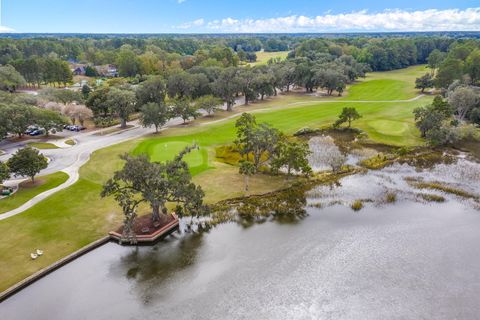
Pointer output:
33, 256
39, 252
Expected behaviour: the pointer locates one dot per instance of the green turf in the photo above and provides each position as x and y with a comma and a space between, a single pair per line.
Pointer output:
196, 159
263, 57
391, 85
42, 145
70, 142
26, 193
77, 215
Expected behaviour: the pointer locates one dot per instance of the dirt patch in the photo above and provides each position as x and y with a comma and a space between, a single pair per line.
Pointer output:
29, 185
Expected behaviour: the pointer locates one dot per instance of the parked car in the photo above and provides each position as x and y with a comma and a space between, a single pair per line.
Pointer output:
37, 132
30, 129
76, 128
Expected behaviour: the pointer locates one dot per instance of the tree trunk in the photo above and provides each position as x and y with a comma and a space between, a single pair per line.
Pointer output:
156, 129
33, 179
229, 106
123, 123
246, 183
155, 211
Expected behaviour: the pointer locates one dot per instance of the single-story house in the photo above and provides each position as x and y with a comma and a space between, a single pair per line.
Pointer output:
108, 70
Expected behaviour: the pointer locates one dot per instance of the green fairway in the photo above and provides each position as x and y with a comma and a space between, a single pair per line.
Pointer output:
27, 192
385, 89
263, 57
383, 86
42, 145
76, 216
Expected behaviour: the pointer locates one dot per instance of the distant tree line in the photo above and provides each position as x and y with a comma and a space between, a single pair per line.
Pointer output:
166, 55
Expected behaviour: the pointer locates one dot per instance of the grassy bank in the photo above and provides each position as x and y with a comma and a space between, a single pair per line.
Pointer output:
77, 216
27, 190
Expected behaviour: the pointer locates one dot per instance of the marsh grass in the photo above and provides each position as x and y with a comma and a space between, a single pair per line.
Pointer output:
391, 197
444, 188
357, 205
431, 197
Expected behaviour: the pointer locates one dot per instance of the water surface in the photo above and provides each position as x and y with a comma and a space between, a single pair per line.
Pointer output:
406, 260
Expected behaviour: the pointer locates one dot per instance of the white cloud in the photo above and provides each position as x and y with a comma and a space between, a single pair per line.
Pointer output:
188, 25
4, 29
388, 20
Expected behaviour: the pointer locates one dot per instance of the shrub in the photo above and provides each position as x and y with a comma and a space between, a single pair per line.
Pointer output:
103, 122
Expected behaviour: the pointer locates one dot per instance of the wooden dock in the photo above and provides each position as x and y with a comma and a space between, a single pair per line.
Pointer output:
151, 237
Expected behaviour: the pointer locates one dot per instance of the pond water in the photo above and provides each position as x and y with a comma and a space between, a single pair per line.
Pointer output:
410, 259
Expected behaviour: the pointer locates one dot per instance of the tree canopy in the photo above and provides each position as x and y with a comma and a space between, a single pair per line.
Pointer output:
27, 162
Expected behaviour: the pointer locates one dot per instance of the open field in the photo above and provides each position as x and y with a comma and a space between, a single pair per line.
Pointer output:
263, 57
77, 215
27, 191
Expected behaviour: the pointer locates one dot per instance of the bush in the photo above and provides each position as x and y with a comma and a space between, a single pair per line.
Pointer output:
442, 136
103, 122
402, 151
228, 154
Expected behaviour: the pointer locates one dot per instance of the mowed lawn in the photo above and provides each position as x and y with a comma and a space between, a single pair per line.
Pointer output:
383, 86
43, 145
263, 57
74, 217
28, 191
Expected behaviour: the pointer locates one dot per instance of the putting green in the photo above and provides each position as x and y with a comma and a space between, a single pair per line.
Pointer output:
196, 159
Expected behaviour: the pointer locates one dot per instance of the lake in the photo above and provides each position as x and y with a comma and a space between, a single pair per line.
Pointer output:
411, 259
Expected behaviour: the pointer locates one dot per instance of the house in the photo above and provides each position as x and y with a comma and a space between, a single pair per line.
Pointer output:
79, 71
108, 70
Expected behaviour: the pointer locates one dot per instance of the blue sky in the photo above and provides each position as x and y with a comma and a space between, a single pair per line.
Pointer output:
187, 16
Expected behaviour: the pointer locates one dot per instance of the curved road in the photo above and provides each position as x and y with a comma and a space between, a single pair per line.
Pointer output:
70, 159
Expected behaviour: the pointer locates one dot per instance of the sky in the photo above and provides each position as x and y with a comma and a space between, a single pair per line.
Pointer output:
249, 16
